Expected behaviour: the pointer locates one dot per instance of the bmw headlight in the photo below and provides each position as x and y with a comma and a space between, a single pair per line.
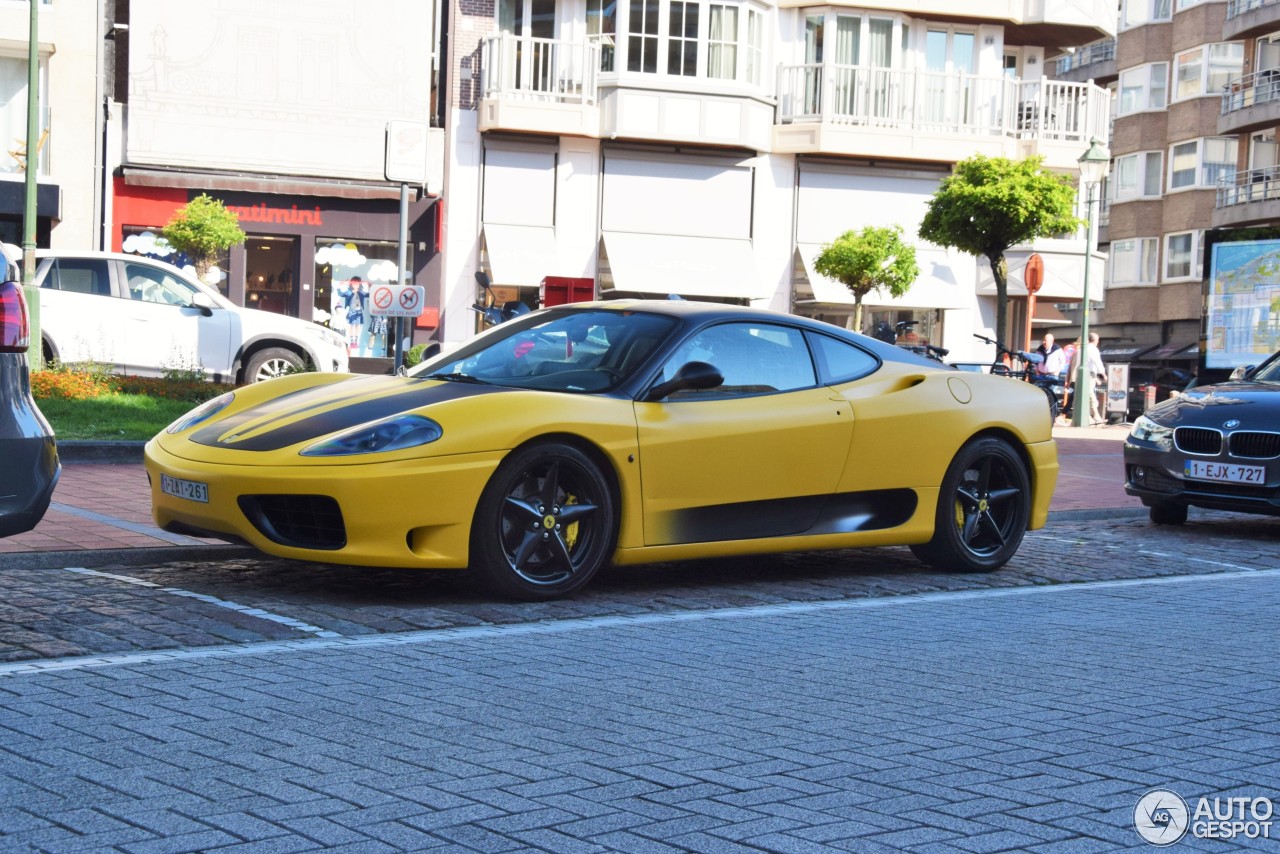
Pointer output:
389, 434
203, 412
1146, 430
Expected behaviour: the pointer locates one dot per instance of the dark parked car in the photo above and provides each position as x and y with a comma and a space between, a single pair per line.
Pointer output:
30, 466
1214, 446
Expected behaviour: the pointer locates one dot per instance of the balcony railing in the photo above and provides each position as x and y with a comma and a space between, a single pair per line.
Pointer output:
941, 102
1260, 87
540, 69
1239, 7
1087, 55
1252, 185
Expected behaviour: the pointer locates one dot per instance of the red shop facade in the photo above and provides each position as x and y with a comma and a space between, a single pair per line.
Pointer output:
301, 250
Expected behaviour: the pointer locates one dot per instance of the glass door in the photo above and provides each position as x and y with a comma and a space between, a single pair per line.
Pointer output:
271, 274
533, 22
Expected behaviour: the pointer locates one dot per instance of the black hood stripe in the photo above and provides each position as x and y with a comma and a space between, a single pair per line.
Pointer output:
419, 393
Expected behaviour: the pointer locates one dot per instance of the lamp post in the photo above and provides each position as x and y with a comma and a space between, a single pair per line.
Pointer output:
1094, 165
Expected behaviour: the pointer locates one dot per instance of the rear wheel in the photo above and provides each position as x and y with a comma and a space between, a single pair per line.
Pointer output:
983, 510
271, 363
1169, 514
1055, 406
544, 525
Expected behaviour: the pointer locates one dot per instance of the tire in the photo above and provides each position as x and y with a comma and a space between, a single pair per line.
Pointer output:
1168, 514
545, 524
271, 363
983, 509
1055, 407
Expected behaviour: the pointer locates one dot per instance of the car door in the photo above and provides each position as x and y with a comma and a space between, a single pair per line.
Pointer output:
167, 331
756, 457
80, 312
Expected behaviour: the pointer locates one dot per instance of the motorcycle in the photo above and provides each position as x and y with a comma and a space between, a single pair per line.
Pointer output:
890, 334
488, 308
1052, 386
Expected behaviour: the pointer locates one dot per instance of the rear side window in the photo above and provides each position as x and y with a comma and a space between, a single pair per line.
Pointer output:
81, 276
840, 361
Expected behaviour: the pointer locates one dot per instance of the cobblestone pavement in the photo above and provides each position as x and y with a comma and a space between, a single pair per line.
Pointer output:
1025, 717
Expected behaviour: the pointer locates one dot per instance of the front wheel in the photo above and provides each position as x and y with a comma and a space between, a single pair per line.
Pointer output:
1055, 406
983, 510
544, 525
271, 363
1168, 514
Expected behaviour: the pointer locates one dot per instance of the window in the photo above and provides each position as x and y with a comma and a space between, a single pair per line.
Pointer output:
1134, 261
1206, 70
13, 113
722, 43
1135, 13
1187, 4
147, 243
602, 26
682, 41
755, 46
79, 275
1201, 162
1138, 176
642, 43
839, 361
1182, 256
1145, 87
755, 358
151, 284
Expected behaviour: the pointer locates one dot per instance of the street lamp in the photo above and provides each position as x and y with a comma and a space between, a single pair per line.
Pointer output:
1094, 166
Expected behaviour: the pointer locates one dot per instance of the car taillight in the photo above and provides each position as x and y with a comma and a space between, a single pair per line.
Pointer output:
15, 334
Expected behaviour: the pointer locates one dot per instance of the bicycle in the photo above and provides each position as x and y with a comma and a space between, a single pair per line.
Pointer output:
1052, 386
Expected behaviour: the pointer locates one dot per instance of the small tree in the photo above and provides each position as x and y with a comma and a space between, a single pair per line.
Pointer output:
201, 229
988, 204
875, 257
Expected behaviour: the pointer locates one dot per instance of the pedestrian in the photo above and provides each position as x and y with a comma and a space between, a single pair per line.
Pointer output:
1046, 349
1096, 371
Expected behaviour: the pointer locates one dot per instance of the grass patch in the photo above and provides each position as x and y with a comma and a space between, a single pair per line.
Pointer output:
87, 402
112, 416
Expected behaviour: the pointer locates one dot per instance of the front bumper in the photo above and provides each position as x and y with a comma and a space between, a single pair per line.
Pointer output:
410, 513
1156, 477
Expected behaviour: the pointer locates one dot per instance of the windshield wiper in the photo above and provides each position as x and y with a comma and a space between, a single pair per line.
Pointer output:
457, 378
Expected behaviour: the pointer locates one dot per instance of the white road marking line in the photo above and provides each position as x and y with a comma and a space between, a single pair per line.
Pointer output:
212, 600
124, 525
430, 636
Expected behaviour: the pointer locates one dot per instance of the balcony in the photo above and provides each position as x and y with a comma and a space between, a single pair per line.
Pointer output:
924, 115
1248, 19
557, 87
1096, 62
1251, 102
1248, 198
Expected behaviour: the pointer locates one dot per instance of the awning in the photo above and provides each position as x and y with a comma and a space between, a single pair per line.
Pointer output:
1173, 351
244, 183
521, 255
1124, 352
935, 287
665, 264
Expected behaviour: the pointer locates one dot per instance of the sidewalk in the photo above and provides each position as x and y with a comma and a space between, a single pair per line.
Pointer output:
101, 510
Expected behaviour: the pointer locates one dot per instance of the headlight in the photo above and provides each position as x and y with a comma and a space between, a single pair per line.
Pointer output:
1146, 430
390, 434
327, 335
204, 411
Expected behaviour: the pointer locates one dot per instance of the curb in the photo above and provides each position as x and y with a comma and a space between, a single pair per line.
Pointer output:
124, 557
90, 451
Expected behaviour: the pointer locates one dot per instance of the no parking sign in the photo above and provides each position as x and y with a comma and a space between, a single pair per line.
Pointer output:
396, 300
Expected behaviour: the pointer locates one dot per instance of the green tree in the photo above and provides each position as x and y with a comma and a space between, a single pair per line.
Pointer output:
988, 204
202, 229
875, 257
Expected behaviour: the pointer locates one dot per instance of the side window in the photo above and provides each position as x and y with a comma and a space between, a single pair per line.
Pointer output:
152, 285
755, 358
840, 361
81, 276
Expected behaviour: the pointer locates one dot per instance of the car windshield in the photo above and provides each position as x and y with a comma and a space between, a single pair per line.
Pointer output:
1269, 372
565, 350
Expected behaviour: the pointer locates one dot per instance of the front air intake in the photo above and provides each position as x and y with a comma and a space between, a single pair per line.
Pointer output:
297, 521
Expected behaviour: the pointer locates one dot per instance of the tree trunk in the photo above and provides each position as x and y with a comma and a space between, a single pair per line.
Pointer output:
1000, 271
857, 312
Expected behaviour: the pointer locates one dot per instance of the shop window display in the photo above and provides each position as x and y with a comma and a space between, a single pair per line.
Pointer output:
345, 271
150, 244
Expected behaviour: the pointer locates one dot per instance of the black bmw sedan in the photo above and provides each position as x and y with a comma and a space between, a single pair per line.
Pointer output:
1216, 447
29, 465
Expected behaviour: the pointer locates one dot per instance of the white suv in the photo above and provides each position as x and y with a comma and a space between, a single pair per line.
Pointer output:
142, 316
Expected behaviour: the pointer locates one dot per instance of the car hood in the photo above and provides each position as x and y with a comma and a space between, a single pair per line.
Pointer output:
309, 413
1255, 405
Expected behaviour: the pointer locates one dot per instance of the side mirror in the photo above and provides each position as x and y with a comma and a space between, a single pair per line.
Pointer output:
1242, 372
696, 376
201, 301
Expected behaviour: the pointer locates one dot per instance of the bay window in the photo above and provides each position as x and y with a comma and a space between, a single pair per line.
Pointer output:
1135, 13
1206, 70
1182, 255
1138, 176
1133, 261
697, 38
1145, 87
1200, 163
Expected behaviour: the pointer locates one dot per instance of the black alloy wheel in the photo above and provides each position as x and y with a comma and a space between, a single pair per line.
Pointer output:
545, 524
983, 509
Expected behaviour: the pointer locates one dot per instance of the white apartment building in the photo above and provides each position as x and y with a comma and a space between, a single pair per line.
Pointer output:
709, 148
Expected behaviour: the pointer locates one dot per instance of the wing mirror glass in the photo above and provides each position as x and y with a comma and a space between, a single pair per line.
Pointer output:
693, 376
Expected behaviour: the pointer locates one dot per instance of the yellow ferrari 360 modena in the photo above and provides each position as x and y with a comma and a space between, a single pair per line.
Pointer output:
618, 432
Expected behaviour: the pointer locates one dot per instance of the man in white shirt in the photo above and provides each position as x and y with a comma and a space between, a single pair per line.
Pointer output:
1096, 369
